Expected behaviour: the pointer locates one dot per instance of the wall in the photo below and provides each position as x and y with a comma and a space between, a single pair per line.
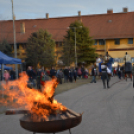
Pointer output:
115, 50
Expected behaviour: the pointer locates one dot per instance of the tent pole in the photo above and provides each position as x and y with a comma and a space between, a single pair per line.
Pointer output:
15, 48
2, 73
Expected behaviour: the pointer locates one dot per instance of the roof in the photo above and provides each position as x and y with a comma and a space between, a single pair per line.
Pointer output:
101, 26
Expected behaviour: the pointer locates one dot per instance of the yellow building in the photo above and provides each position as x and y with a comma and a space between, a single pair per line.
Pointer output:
116, 48
112, 32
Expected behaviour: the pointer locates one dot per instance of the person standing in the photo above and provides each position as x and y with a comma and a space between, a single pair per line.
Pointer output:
114, 72
60, 76
79, 72
86, 73
38, 79
93, 73
66, 74
31, 75
70, 75
43, 80
6, 76
53, 73
75, 74
82, 71
104, 75
119, 71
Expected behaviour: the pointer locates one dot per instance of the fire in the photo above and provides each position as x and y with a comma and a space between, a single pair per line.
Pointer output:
17, 94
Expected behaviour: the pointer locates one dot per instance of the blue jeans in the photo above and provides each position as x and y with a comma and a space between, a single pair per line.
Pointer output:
93, 79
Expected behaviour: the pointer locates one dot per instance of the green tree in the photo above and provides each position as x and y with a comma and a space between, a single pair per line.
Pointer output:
40, 49
68, 53
5, 47
85, 51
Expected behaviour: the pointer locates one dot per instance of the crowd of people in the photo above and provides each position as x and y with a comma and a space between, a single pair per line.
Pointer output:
102, 68
69, 74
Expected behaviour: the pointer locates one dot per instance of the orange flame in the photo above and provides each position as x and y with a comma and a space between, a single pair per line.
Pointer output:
18, 94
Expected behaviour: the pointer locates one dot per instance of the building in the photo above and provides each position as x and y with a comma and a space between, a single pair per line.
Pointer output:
112, 32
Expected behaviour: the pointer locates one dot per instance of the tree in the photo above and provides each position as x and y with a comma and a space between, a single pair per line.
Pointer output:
5, 47
85, 51
68, 53
40, 49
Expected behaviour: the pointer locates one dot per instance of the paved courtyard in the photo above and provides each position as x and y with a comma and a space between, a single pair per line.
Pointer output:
105, 111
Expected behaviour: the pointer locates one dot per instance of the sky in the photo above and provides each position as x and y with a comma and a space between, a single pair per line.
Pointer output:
34, 9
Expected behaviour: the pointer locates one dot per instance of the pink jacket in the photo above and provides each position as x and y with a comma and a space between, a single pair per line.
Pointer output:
6, 75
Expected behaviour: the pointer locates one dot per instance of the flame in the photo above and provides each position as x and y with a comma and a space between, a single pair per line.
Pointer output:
17, 94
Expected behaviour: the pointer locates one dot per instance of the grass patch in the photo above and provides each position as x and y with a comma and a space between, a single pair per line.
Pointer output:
67, 86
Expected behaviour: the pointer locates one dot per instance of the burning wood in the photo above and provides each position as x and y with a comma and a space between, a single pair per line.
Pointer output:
42, 104
16, 111
44, 114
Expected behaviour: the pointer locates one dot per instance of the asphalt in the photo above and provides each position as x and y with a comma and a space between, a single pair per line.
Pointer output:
106, 111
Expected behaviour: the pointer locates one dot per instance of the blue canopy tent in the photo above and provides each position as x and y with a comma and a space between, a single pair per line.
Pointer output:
6, 67
4, 59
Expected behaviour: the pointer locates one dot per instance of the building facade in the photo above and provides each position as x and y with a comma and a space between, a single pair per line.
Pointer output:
112, 32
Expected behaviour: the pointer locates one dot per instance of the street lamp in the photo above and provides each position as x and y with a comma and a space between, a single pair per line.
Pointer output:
75, 43
15, 49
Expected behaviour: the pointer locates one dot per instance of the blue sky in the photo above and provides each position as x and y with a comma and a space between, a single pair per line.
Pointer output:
32, 9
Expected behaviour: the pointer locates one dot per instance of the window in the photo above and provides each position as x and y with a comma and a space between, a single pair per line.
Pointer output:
117, 41
101, 42
130, 40
95, 42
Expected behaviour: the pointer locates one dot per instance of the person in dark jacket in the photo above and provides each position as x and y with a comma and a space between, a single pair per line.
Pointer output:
75, 74
104, 75
70, 75
12, 74
94, 71
60, 76
119, 71
38, 79
31, 75
82, 71
52, 72
66, 74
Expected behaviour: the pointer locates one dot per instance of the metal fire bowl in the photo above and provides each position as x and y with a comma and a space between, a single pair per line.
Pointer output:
50, 126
